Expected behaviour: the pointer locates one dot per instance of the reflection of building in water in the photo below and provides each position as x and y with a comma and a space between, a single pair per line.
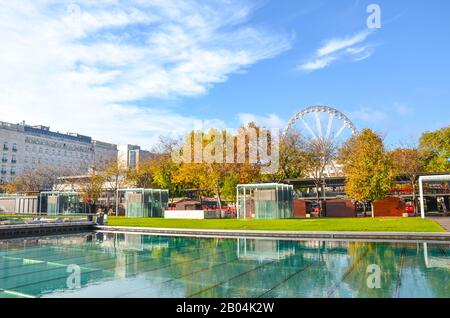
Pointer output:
324, 244
128, 249
434, 261
118, 242
260, 249
263, 249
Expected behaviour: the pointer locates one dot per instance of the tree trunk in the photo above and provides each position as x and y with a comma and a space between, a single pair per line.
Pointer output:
318, 199
219, 201
414, 196
364, 208
323, 205
373, 210
444, 207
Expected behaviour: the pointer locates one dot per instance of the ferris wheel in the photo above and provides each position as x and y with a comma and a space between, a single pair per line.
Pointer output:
324, 124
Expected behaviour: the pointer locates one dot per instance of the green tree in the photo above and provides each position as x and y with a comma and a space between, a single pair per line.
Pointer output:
163, 176
229, 188
436, 149
367, 166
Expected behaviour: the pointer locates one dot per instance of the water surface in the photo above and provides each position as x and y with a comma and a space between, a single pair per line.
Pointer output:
134, 265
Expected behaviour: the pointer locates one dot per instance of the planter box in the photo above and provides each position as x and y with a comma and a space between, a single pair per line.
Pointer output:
192, 214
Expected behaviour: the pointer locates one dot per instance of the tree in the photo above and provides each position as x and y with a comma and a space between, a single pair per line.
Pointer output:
319, 153
207, 160
38, 179
142, 177
229, 187
292, 157
436, 149
367, 166
91, 189
116, 176
408, 162
163, 175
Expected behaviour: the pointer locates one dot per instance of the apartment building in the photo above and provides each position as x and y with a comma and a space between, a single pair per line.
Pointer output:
24, 147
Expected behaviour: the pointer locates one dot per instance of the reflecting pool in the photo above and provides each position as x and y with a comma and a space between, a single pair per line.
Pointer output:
134, 265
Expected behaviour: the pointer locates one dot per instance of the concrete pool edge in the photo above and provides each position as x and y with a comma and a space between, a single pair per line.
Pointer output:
373, 236
43, 229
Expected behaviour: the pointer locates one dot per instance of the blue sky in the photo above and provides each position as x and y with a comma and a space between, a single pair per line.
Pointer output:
129, 71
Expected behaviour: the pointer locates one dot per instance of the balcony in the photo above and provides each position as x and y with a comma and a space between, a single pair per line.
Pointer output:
14, 149
5, 147
13, 160
4, 160
4, 172
12, 172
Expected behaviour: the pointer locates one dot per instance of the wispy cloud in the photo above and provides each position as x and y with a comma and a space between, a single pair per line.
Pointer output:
402, 109
269, 121
85, 66
368, 114
349, 47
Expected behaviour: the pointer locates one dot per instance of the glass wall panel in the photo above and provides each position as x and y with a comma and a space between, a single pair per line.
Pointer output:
265, 201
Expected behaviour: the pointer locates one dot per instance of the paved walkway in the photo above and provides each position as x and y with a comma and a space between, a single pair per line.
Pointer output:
286, 235
444, 222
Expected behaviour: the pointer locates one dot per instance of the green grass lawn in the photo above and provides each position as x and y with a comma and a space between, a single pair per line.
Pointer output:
319, 224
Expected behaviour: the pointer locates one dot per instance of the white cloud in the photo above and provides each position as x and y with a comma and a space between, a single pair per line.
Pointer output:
317, 64
84, 67
402, 109
367, 114
335, 45
339, 48
269, 121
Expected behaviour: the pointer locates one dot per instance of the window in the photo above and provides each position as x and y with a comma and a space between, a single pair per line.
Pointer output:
14, 147
5, 146
14, 159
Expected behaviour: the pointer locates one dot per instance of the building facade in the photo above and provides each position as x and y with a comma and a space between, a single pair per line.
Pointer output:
24, 147
130, 156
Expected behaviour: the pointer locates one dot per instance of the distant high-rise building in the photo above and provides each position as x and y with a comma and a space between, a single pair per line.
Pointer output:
24, 147
130, 156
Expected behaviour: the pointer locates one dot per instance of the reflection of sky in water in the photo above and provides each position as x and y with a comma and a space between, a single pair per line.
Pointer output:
133, 265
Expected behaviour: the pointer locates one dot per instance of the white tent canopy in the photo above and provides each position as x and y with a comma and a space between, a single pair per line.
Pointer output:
429, 179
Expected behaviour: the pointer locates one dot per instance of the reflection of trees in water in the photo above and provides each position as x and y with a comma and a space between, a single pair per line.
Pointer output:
297, 269
328, 260
402, 269
183, 256
307, 273
438, 278
386, 256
